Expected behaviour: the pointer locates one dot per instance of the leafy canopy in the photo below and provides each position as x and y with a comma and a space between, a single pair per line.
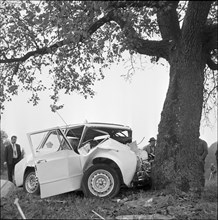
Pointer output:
75, 40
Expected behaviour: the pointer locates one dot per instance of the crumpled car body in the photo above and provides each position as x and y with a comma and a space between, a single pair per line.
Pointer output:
93, 157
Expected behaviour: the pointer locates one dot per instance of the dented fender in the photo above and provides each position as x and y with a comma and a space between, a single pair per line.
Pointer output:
125, 159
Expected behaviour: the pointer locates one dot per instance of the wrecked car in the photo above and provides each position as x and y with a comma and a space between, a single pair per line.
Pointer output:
97, 158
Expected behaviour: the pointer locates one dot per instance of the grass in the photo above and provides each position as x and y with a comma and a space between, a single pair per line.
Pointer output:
73, 205
208, 202
66, 206
210, 191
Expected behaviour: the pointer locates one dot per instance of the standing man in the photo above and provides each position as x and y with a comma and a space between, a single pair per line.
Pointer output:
212, 172
150, 147
202, 151
12, 156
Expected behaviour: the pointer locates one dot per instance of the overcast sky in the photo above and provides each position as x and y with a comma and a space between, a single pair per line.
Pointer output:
137, 104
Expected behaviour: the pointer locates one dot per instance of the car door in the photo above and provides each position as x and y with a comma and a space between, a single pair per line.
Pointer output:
58, 167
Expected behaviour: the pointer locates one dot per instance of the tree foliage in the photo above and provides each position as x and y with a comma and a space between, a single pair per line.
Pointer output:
76, 40
4, 138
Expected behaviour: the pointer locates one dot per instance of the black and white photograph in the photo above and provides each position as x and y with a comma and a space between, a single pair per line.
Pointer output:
108, 109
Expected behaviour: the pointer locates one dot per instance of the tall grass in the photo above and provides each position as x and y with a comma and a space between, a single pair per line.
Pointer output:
210, 191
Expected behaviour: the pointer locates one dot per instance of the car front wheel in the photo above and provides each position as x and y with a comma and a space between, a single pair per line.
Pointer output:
100, 180
31, 183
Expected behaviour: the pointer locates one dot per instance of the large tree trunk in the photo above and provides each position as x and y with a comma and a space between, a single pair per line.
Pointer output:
177, 164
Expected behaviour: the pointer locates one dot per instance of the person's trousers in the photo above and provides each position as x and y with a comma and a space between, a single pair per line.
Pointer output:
11, 169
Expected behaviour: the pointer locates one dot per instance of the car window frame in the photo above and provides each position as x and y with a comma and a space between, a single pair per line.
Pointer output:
46, 137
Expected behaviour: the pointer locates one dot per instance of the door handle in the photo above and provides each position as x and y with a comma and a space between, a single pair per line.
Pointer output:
40, 161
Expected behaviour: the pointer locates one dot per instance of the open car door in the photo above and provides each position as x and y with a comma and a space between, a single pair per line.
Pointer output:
58, 167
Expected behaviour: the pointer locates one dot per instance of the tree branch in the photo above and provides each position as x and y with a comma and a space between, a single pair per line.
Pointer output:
195, 19
95, 26
136, 4
54, 47
168, 21
215, 87
152, 48
209, 37
147, 47
210, 43
212, 65
40, 51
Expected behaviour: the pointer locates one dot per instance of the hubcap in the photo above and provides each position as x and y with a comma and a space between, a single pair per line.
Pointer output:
31, 183
101, 183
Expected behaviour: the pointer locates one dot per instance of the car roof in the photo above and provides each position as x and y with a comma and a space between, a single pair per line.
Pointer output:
87, 124
99, 124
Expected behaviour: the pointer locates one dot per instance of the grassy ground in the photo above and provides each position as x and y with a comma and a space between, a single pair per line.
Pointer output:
129, 202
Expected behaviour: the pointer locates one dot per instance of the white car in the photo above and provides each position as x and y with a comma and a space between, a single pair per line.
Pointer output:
93, 157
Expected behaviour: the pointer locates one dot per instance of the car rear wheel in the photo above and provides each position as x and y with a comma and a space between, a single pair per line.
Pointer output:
31, 183
100, 180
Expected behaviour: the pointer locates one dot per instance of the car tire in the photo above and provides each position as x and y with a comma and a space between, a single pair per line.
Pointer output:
31, 183
100, 180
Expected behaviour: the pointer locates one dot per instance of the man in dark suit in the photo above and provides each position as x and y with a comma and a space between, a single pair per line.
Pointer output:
12, 156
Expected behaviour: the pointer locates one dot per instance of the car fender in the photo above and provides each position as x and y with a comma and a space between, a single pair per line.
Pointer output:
125, 159
20, 169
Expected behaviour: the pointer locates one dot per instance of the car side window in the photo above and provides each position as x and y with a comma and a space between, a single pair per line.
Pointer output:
52, 143
55, 141
122, 136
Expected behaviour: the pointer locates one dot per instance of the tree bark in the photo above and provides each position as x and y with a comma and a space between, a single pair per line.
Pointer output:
177, 164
